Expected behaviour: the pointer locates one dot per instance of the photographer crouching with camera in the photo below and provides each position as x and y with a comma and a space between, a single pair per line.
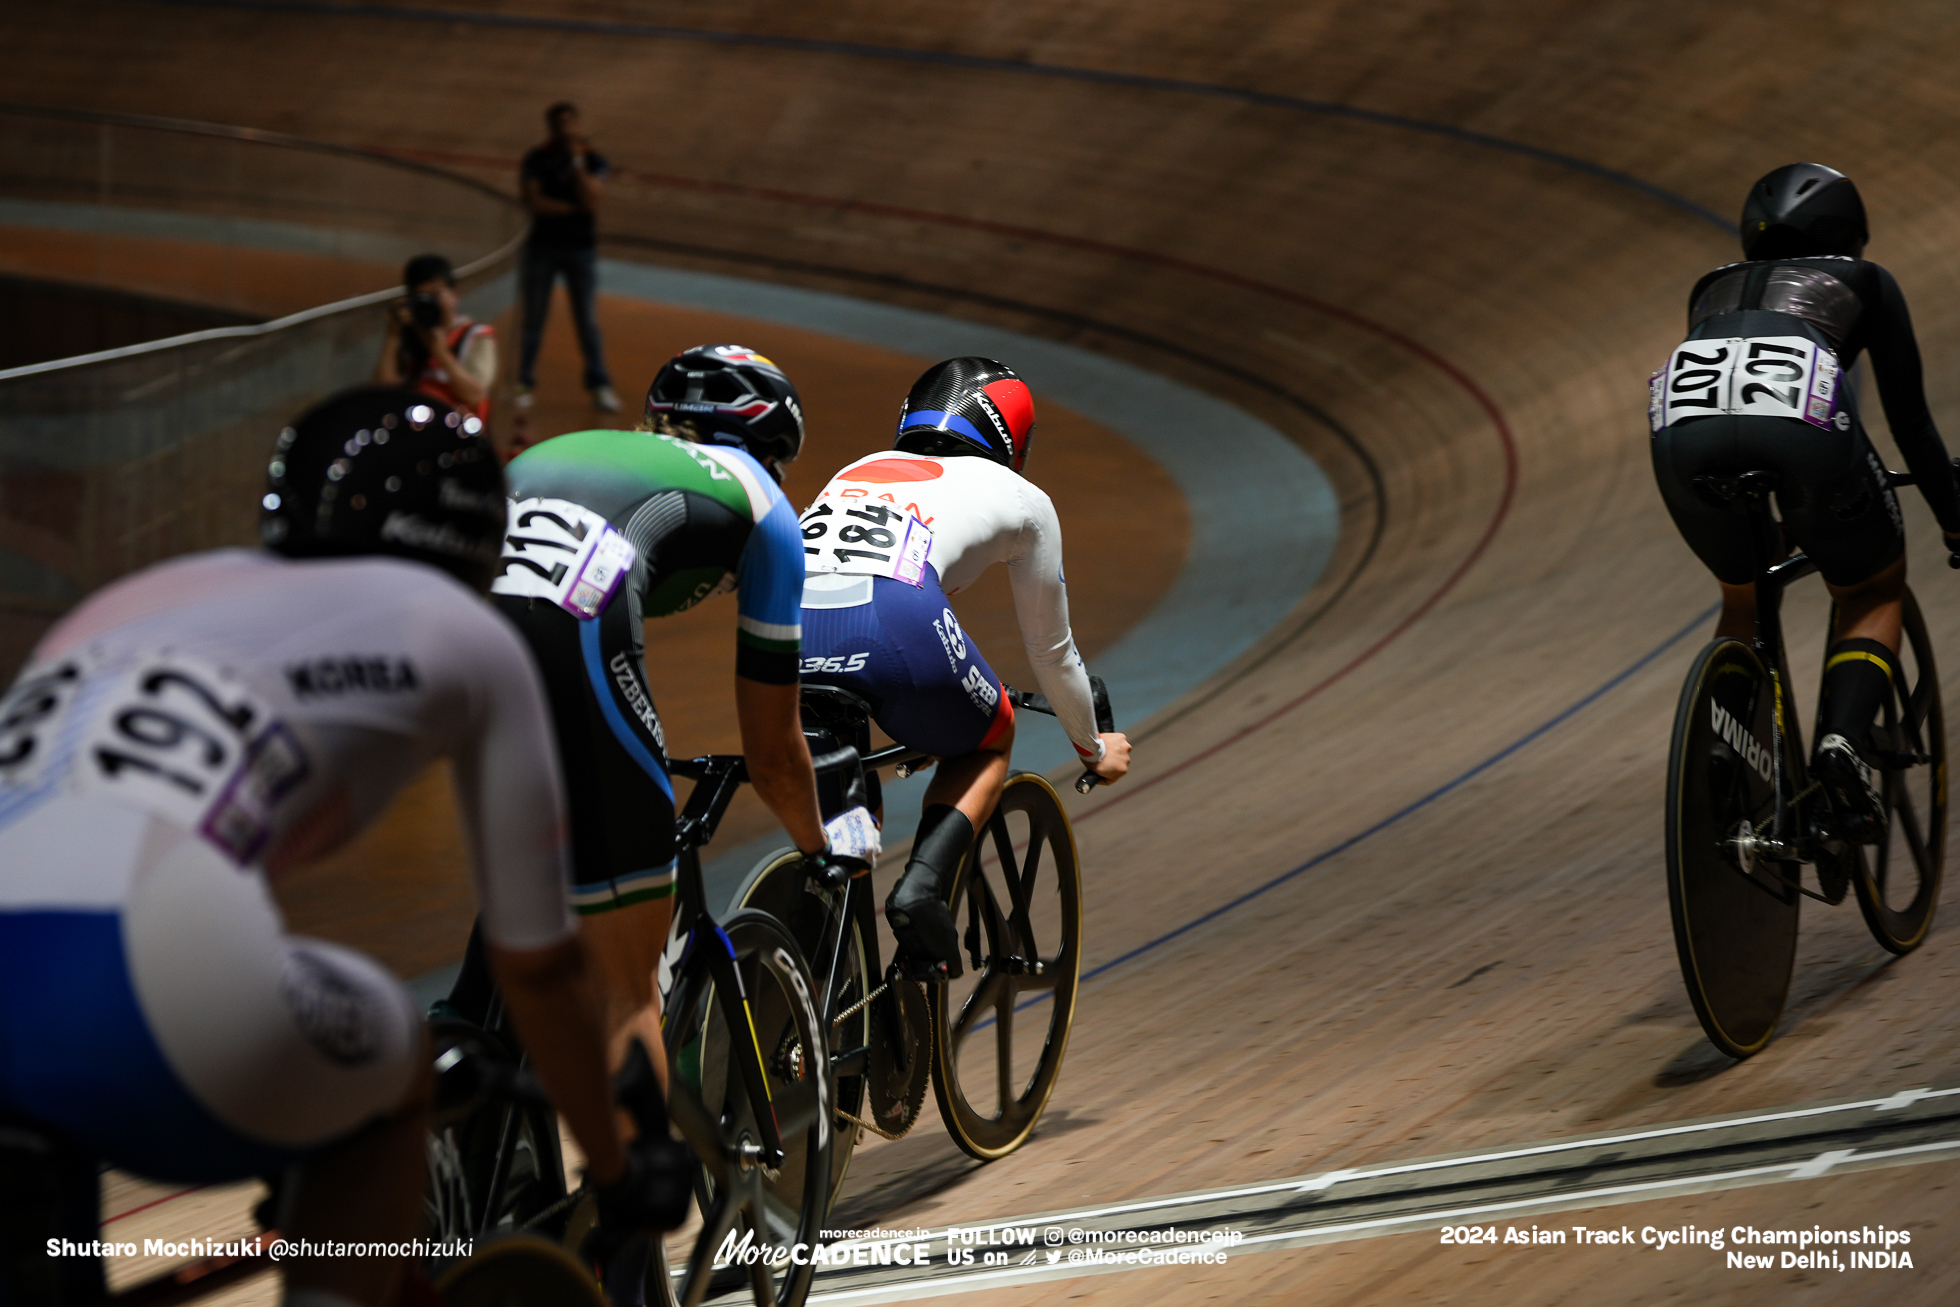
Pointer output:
432, 347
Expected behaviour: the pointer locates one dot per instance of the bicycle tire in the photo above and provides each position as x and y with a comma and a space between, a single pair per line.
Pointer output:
780, 887
1915, 805
790, 1208
519, 1271
1034, 948
1735, 929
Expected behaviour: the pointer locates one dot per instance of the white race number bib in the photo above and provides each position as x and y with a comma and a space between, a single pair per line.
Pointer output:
164, 731
1763, 376
865, 540
561, 551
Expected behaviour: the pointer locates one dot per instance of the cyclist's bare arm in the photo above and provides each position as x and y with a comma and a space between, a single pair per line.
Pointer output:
779, 758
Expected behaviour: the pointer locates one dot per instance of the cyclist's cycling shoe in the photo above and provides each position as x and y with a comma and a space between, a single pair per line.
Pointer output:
928, 942
1854, 793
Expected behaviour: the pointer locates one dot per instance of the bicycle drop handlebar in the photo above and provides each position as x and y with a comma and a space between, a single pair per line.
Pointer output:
1896, 479
1105, 719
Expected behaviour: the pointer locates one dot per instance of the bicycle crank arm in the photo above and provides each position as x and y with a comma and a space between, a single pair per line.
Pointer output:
850, 1063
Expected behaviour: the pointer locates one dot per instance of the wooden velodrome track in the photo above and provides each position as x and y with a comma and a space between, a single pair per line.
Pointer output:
1437, 247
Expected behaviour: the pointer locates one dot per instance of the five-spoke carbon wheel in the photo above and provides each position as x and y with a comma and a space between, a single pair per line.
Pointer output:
1000, 1030
773, 1210
1735, 914
1898, 879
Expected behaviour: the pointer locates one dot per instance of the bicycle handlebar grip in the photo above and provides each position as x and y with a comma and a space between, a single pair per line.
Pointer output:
1105, 715
1087, 781
1953, 560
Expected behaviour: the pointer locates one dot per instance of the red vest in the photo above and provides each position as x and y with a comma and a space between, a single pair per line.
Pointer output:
434, 381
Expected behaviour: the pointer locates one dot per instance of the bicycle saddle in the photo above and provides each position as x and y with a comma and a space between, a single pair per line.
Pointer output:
1744, 485
835, 696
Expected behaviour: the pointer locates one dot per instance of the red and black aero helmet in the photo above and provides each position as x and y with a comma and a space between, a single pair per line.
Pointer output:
1803, 210
386, 470
969, 406
730, 395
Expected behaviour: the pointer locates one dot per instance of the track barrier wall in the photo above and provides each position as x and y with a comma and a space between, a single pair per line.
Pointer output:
115, 460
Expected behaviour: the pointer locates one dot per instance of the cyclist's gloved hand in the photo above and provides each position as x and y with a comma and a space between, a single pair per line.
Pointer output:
854, 839
653, 1192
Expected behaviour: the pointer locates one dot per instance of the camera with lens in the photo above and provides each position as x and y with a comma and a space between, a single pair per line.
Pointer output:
425, 310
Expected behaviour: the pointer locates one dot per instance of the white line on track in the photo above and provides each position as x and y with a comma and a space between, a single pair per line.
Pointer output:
1810, 1168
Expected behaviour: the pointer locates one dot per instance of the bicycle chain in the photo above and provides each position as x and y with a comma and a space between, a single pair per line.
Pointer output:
873, 1126
861, 1005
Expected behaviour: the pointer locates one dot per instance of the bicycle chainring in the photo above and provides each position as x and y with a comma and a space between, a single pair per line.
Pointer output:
900, 1058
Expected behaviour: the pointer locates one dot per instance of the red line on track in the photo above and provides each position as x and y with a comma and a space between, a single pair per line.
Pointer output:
1415, 347
154, 1202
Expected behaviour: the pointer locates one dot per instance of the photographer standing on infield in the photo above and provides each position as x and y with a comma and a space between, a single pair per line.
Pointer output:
561, 182
435, 349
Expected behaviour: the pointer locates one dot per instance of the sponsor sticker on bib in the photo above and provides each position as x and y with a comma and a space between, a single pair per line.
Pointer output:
1762, 376
564, 552
165, 731
866, 540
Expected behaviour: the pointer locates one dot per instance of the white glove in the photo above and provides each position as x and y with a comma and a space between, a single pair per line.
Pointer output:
853, 837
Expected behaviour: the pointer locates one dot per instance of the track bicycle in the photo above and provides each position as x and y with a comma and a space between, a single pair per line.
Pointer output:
740, 1023
1019, 892
1744, 815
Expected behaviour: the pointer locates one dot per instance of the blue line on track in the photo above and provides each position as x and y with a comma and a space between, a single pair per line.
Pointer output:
978, 63
1700, 619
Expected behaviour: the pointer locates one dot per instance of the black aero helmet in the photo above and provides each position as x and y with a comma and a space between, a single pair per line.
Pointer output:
968, 406
730, 395
386, 470
1803, 210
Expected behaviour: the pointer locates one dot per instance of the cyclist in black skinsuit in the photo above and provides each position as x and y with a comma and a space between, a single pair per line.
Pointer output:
1763, 382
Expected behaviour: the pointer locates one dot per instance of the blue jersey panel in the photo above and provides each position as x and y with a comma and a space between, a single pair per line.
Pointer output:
769, 587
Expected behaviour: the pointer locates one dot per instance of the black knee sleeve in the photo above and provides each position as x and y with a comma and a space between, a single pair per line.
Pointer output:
942, 840
1857, 676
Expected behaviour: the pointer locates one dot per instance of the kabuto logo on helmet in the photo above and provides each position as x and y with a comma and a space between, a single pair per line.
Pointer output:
966, 406
728, 395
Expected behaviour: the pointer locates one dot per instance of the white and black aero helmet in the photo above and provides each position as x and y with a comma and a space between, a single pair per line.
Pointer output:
386, 470
730, 395
1803, 210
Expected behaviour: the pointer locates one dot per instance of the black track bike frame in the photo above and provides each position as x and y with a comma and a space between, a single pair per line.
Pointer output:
1785, 843
717, 777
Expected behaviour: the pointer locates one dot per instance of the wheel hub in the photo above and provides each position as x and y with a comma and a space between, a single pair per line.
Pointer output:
1744, 846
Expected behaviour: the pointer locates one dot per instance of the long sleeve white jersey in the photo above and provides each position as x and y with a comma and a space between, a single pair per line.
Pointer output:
273, 707
981, 513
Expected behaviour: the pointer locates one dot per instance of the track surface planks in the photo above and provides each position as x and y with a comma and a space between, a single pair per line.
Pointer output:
1495, 967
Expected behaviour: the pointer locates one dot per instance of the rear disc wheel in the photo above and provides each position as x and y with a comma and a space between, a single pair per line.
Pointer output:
1735, 916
